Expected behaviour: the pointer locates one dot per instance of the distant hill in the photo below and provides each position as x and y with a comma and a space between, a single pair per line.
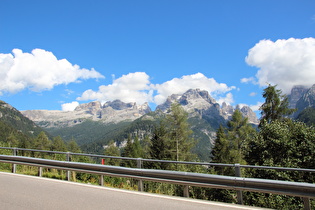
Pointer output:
15, 128
15, 119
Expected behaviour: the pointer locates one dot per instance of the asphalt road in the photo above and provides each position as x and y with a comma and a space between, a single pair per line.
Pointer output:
29, 192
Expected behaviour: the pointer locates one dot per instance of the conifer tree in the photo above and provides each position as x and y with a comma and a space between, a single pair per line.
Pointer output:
73, 146
58, 144
221, 147
42, 142
231, 143
158, 148
178, 140
112, 150
137, 151
275, 106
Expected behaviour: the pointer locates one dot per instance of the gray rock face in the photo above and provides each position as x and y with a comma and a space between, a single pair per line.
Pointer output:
296, 93
248, 112
307, 100
199, 103
110, 112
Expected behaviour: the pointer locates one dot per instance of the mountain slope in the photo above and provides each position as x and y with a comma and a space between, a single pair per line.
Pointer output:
15, 119
307, 100
15, 129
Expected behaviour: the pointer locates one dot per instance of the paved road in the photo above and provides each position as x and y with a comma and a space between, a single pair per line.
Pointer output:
28, 192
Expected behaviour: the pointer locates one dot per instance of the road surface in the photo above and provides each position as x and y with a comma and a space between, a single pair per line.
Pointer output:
29, 192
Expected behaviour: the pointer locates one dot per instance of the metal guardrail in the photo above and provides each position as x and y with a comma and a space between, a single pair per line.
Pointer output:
162, 161
304, 190
139, 161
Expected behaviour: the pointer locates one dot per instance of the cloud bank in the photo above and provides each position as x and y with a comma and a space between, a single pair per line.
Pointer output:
133, 87
136, 87
69, 106
38, 71
284, 62
181, 85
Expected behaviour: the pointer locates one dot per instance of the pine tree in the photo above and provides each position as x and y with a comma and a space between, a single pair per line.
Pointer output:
231, 144
112, 150
137, 149
58, 144
158, 148
42, 142
275, 106
178, 140
73, 146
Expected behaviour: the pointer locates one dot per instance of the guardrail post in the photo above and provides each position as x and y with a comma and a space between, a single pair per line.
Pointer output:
68, 172
238, 192
14, 151
186, 191
307, 203
140, 183
40, 171
101, 181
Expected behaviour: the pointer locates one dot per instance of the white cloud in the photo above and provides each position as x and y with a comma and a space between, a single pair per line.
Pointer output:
181, 85
284, 62
249, 80
228, 99
38, 71
136, 87
252, 94
69, 106
133, 87
256, 106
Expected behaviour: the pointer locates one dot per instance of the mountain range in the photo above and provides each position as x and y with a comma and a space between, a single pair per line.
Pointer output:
94, 124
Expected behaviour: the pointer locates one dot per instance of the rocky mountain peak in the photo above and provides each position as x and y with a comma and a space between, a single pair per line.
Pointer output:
110, 112
306, 100
119, 105
199, 103
248, 112
190, 100
296, 93
91, 107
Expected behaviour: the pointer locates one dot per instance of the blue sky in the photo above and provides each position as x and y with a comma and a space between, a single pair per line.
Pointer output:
57, 54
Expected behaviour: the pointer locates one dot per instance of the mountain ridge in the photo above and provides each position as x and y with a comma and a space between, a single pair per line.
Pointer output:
195, 102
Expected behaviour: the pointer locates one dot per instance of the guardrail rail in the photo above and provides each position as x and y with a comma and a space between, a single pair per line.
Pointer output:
298, 189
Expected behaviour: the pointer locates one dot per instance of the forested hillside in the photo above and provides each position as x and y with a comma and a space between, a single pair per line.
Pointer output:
13, 118
18, 131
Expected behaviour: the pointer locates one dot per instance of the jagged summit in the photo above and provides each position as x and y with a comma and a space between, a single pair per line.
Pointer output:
199, 103
110, 112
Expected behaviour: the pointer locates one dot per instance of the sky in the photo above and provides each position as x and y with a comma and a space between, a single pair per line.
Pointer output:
55, 55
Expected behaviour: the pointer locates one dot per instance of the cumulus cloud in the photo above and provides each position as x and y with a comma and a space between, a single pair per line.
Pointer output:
133, 87
253, 94
249, 80
136, 87
181, 85
283, 62
227, 99
256, 106
69, 106
39, 70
